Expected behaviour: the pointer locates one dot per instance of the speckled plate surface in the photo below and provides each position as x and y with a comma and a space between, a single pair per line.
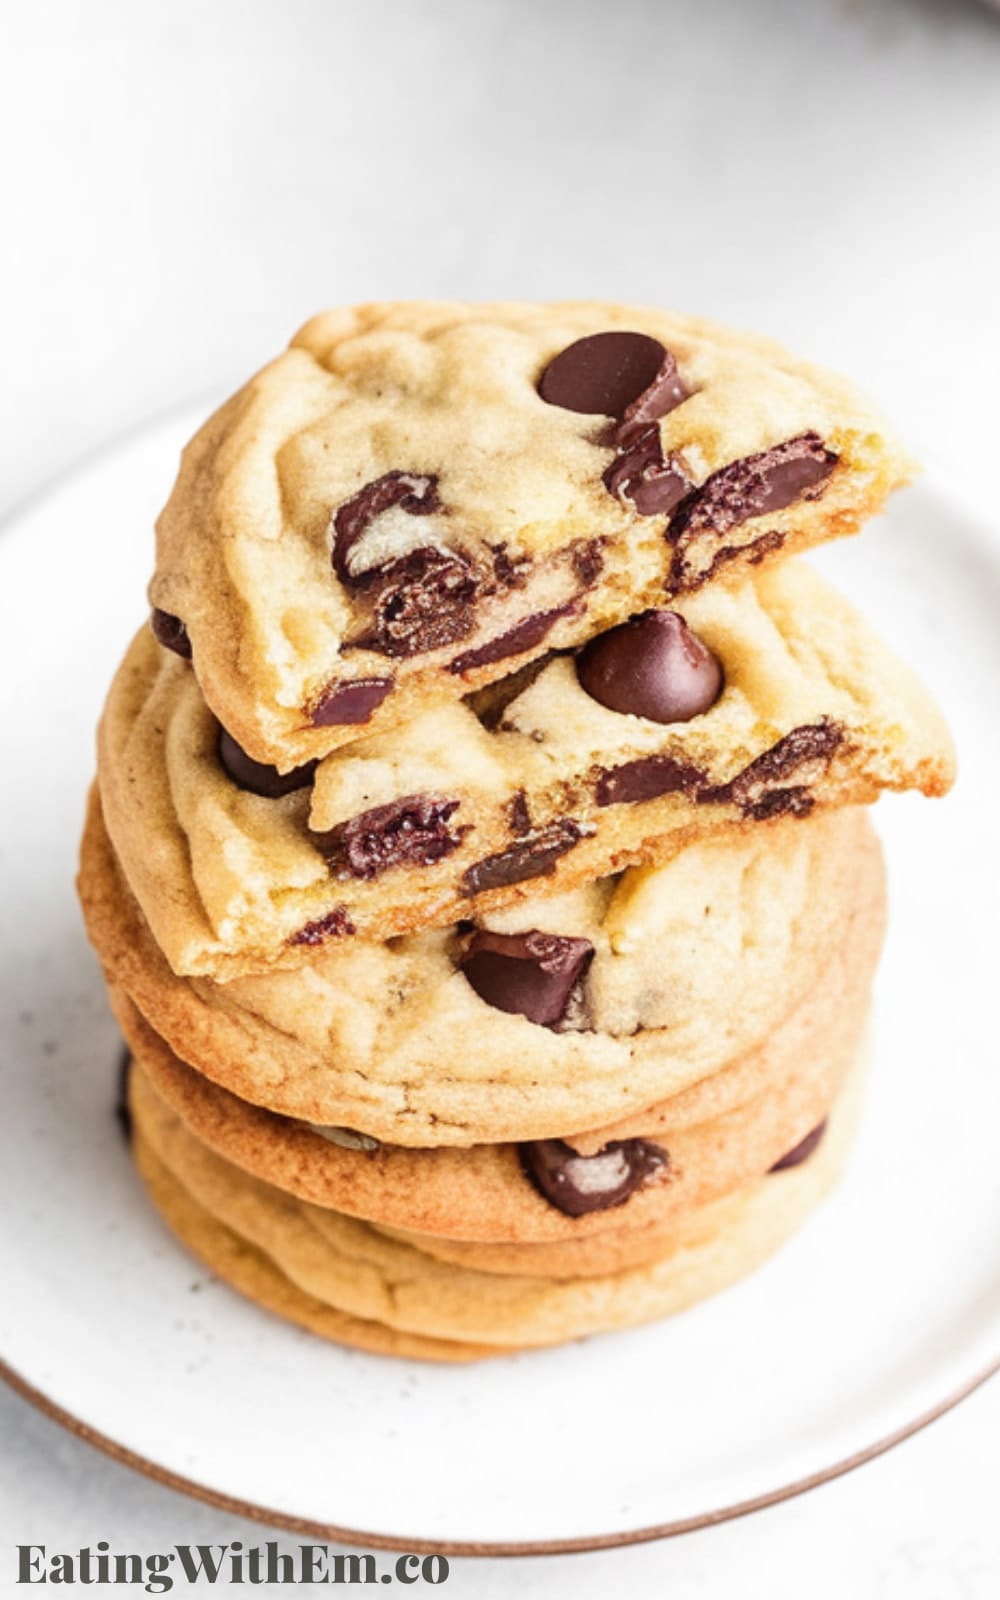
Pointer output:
882, 1312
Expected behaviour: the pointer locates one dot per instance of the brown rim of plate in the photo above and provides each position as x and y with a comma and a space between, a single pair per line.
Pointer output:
475, 1547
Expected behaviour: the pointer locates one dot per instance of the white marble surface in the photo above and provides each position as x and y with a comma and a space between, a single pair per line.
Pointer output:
183, 182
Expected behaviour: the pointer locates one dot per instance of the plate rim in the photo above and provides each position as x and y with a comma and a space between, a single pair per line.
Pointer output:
363, 1539
939, 478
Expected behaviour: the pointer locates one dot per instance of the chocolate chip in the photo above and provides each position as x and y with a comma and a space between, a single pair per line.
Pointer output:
534, 857
755, 551
170, 632
532, 974
588, 562
577, 1184
413, 492
420, 602
802, 1151
640, 473
646, 779
335, 925
343, 705
408, 832
768, 481
123, 1111
509, 572
518, 814
524, 636
256, 776
812, 742
651, 666
614, 374
794, 802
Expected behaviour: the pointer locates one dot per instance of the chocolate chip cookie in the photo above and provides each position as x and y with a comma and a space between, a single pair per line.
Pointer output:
790, 702
415, 500
430, 1040
297, 1258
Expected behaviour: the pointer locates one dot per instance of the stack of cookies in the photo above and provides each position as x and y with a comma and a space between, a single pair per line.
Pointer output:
478, 859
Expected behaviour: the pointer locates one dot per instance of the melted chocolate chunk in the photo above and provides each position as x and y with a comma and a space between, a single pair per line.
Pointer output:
640, 473
794, 802
753, 553
531, 974
646, 779
518, 814
509, 572
420, 602
588, 562
666, 391
614, 374
651, 666
170, 632
814, 741
123, 1111
413, 492
335, 925
802, 1151
524, 636
257, 776
577, 1184
533, 857
409, 832
755, 485
344, 705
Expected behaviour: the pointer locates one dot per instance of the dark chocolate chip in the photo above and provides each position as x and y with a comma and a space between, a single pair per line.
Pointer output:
794, 802
577, 1184
588, 562
257, 776
680, 580
802, 1151
123, 1111
753, 553
646, 779
814, 741
614, 374
413, 492
343, 705
755, 485
518, 814
421, 601
533, 857
409, 832
335, 925
532, 974
651, 666
170, 632
509, 572
640, 473
524, 636
666, 391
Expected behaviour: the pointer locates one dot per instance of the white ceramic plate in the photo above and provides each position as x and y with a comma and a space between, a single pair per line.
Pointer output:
883, 1311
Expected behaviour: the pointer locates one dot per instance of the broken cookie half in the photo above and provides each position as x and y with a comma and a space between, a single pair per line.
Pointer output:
416, 500
728, 709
